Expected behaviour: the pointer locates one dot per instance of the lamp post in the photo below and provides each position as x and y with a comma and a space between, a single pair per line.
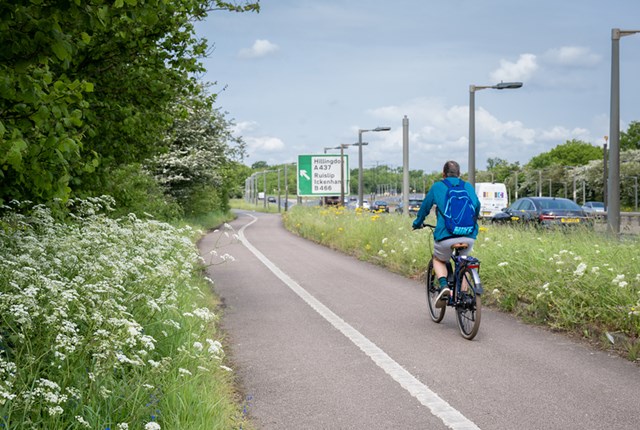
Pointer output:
360, 144
613, 187
472, 121
341, 148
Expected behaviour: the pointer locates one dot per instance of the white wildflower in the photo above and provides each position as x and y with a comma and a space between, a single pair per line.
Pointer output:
504, 263
580, 269
56, 410
618, 279
82, 421
152, 426
215, 347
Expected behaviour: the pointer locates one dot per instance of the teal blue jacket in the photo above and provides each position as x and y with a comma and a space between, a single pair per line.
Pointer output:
436, 196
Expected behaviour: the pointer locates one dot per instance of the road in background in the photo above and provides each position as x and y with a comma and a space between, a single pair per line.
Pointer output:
320, 340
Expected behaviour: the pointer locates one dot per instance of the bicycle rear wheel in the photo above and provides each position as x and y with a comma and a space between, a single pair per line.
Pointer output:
469, 305
432, 288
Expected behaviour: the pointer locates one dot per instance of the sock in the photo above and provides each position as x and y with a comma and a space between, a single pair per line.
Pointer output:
443, 282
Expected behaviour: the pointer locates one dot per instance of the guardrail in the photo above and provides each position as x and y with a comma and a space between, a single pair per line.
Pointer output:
629, 222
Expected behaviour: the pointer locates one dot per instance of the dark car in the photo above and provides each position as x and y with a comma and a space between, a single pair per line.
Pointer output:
271, 199
544, 211
414, 206
380, 206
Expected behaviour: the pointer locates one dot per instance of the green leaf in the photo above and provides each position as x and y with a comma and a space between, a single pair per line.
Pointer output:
62, 50
85, 37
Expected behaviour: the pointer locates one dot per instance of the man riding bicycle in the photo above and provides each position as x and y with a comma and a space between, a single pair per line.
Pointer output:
443, 236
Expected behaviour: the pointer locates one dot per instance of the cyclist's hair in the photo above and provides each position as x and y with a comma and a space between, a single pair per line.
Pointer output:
451, 169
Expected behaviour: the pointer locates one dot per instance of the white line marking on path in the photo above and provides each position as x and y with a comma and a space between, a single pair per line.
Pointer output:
440, 408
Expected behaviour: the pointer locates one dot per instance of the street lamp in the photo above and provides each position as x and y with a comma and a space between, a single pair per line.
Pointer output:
341, 148
613, 187
472, 121
360, 144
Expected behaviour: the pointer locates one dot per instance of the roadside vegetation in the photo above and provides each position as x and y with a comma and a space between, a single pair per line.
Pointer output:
108, 324
577, 281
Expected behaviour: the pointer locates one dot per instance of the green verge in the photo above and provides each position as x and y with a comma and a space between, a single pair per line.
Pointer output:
577, 281
108, 324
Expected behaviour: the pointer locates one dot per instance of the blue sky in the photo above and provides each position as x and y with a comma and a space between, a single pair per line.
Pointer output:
303, 75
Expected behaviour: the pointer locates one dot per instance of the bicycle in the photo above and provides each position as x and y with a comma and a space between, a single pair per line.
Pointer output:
466, 288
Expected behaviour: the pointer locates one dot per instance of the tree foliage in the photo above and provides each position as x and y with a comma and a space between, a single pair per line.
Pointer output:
200, 147
88, 84
630, 139
572, 153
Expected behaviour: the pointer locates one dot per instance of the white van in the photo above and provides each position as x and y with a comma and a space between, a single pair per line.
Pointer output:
493, 198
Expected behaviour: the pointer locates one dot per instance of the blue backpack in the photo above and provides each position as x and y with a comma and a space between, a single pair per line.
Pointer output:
459, 213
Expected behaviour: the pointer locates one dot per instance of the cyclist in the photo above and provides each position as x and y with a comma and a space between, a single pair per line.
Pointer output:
443, 240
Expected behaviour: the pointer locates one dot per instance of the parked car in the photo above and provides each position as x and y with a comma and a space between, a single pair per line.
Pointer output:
543, 211
594, 209
353, 204
414, 206
380, 206
271, 199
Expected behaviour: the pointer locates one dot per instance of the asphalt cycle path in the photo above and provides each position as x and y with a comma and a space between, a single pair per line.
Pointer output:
321, 340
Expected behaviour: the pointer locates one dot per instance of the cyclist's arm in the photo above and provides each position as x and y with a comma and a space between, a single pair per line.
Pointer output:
425, 208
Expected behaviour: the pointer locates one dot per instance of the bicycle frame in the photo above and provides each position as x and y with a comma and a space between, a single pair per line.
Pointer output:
463, 279
455, 280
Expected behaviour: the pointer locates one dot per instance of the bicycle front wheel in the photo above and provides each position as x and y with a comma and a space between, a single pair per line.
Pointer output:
432, 288
469, 306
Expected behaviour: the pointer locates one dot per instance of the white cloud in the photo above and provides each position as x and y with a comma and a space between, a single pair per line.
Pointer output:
264, 144
573, 56
260, 48
244, 126
521, 70
562, 134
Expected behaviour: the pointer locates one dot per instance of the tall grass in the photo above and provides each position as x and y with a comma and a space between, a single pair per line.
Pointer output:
107, 324
577, 280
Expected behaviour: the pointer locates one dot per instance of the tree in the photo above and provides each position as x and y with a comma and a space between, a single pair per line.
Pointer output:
631, 138
89, 84
201, 146
571, 153
260, 165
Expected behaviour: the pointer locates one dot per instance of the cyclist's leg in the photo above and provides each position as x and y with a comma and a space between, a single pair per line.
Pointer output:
441, 254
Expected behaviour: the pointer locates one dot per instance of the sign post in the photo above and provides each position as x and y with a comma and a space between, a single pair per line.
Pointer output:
320, 175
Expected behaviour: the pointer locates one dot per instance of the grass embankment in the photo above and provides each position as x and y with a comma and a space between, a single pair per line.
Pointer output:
578, 281
108, 324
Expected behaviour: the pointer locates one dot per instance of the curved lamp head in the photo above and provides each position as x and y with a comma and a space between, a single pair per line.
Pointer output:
507, 85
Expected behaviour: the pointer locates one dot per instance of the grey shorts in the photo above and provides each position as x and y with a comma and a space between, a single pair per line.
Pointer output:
442, 249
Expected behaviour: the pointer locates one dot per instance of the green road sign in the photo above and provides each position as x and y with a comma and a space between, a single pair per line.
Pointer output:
319, 175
